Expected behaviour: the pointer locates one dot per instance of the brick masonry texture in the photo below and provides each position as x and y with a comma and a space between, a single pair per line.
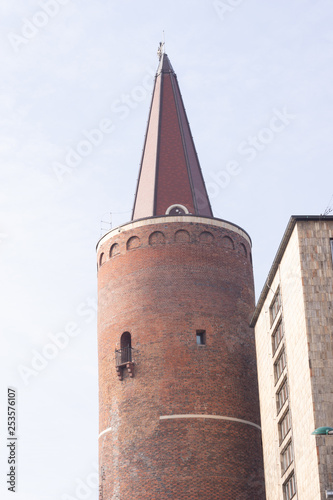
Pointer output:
173, 185
162, 283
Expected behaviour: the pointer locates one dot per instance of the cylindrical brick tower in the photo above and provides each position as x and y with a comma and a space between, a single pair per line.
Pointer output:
179, 410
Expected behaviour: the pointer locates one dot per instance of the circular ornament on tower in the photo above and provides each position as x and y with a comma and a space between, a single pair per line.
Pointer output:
176, 210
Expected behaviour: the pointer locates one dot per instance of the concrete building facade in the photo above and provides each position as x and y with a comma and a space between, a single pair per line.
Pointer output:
293, 324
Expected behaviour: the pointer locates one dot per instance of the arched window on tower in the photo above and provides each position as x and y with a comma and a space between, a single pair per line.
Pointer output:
124, 356
126, 347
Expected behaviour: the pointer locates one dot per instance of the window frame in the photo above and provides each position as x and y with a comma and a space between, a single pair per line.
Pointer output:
201, 334
284, 425
274, 345
287, 457
278, 370
283, 389
291, 480
273, 312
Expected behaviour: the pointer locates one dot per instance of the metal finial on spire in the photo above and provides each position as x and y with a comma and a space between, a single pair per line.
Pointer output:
160, 50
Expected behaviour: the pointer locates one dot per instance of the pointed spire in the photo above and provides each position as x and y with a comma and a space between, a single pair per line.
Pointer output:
170, 179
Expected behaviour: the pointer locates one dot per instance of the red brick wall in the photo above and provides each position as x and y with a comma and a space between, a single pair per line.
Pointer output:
162, 293
173, 185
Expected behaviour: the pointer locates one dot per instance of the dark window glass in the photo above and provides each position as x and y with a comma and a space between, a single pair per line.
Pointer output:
126, 347
177, 211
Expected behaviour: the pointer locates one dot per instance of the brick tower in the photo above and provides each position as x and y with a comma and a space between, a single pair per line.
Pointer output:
179, 409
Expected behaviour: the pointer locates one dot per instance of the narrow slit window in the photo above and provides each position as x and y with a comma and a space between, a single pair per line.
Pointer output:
201, 337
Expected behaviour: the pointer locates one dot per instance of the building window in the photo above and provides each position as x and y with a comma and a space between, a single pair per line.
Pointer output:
201, 337
125, 351
275, 306
277, 337
331, 242
286, 457
123, 356
289, 488
284, 426
282, 396
279, 365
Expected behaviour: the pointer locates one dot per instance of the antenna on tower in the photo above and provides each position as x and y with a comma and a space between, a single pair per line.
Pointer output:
329, 208
107, 223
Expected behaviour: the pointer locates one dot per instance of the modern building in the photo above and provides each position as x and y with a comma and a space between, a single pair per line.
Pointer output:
179, 406
294, 341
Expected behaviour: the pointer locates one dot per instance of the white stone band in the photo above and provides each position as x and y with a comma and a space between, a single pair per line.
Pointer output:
214, 417
173, 218
104, 432
193, 415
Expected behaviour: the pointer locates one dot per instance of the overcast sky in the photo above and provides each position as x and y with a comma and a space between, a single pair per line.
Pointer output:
256, 79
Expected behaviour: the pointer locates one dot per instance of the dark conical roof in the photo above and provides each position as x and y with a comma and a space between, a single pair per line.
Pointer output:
170, 175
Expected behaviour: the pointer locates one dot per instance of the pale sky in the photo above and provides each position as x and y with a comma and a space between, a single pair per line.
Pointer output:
256, 79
